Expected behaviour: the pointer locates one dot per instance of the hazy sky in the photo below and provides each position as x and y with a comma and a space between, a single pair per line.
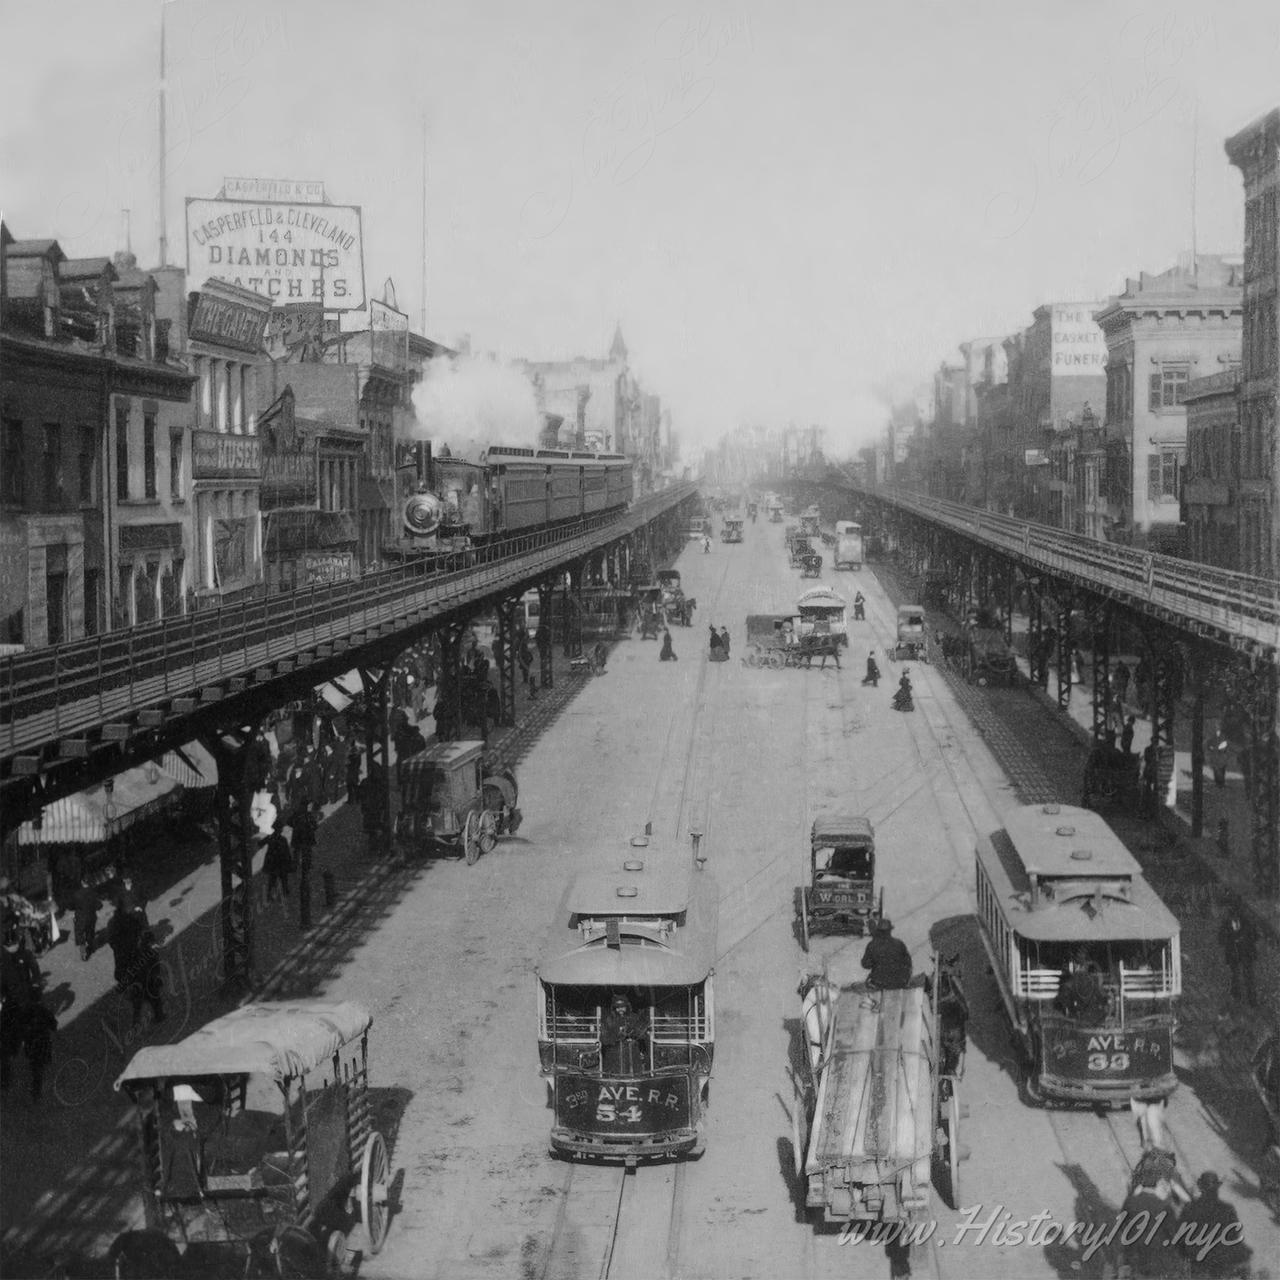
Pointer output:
791, 207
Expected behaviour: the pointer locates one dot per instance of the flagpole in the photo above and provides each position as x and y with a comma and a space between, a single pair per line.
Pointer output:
164, 235
424, 225
1195, 137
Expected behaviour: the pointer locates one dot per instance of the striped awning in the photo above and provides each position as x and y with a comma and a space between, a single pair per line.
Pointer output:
93, 816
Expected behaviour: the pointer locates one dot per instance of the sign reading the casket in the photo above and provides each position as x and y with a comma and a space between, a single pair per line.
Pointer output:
226, 317
287, 252
644, 1105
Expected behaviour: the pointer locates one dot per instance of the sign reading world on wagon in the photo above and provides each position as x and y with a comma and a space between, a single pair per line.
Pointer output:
1077, 345
286, 252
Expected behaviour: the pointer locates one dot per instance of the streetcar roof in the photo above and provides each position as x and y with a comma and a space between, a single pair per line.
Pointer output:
821, 598
446, 755
279, 1039
650, 922
1060, 874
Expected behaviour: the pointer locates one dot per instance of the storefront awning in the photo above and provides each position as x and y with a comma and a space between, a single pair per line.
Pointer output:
191, 766
341, 690
93, 816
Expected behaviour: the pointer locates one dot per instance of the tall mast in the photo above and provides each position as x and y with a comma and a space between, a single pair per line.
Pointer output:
1195, 137
164, 236
424, 225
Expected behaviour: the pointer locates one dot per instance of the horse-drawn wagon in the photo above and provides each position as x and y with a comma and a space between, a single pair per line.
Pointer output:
823, 612
257, 1139
989, 658
732, 529
452, 797
911, 641
877, 1114
841, 893
775, 640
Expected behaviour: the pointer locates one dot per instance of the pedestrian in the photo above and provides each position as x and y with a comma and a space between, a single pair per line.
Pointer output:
873, 671
128, 898
668, 654
1238, 937
724, 641
138, 973
353, 773
1218, 748
87, 905
277, 862
1205, 1221
714, 644
1126, 736
38, 1026
1120, 682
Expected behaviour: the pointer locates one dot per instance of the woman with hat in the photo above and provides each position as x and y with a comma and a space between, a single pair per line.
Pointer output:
887, 958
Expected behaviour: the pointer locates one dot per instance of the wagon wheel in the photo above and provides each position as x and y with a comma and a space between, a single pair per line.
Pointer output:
471, 838
487, 837
953, 1147
375, 1170
804, 917
335, 1253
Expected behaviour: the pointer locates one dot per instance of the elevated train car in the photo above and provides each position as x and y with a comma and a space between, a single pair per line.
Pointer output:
626, 1011
1086, 956
460, 504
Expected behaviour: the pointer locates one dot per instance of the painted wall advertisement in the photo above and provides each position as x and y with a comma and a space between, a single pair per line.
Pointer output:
230, 551
328, 566
294, 252
1077, 346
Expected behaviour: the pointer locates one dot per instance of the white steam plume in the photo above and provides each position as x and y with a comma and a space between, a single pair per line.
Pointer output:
472, 402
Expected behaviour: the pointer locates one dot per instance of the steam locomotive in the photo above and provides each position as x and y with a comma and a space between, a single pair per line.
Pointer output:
455, 504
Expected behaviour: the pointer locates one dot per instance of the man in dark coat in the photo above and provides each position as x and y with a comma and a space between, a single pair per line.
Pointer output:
1205, 1221
623, 1037
277, 863
724, 640
137, 962
87, 905
887, 958
39, 1024
1238, 938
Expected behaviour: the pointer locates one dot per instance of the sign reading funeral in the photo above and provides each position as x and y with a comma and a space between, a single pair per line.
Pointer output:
293, 252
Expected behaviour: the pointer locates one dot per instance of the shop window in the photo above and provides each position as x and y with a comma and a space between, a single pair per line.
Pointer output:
149, 455
14, 463
52, 466
92, 600
122, 453
124, 595
88, 453
55, 595
176, 492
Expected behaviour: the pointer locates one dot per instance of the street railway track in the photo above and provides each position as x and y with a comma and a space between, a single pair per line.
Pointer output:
608, 1216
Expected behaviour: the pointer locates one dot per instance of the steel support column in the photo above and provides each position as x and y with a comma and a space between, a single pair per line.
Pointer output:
377, 807
241, 772
543, 639
1066, 645
506, 660
1262, 776
449, 692
1100, 705
1158, 759
573, 612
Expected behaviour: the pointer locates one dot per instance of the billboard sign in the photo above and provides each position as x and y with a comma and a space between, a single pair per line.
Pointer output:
1076, 345
219, 455
389, 335
285, 189
295, 252
225, 321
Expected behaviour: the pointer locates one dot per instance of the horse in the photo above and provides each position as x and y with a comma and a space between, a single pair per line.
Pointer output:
953, 1019
1158, 1162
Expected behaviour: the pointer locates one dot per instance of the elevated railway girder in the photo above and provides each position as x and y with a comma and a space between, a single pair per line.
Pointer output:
78, 714
1187, 626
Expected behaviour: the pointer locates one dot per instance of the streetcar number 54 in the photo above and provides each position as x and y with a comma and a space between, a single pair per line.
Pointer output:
1108, 1062
608, 1113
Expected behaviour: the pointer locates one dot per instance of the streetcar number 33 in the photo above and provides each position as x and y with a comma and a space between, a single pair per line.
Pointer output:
608, 1113
1108, 1062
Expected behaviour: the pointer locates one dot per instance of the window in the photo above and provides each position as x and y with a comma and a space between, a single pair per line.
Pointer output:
55, 594
175, 466
1164, 476
149, 455
124, 592
88, 450
14, 462
52, 465
1168, 386
122, 453
92, 600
